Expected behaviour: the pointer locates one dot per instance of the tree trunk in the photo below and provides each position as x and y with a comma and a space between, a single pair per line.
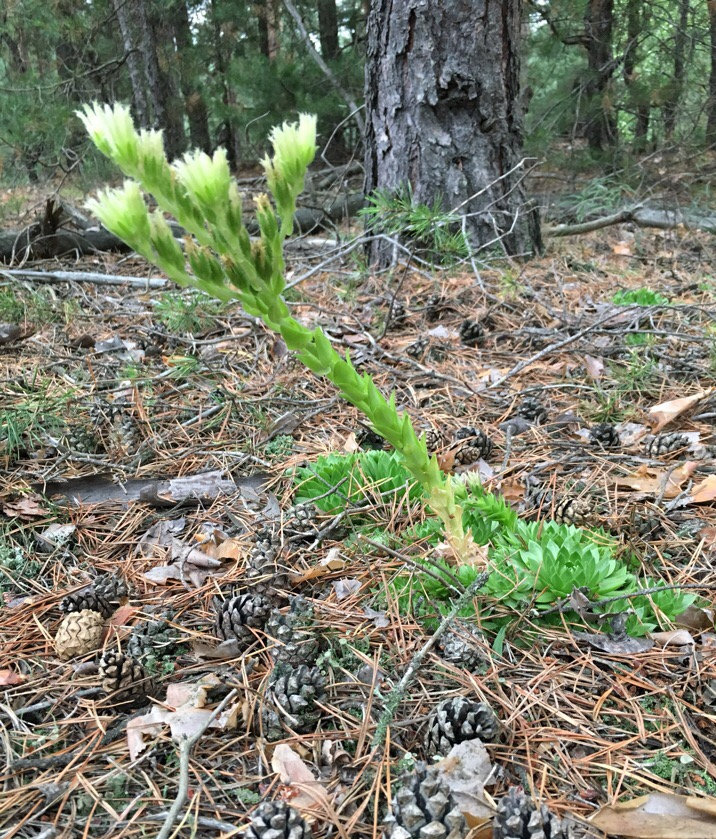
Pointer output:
194, 102
601, 128
677, 82
267, 15
638, 96
228, 134
711, 124
134, 64
443, 115
328, 28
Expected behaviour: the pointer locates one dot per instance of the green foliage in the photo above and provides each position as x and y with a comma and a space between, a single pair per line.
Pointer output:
640, 296
280, 447
191, 313
15, 564
37, 307
357, 477
36, 413
432, 232
601, 195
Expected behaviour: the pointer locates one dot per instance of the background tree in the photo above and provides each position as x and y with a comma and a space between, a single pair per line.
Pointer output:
443, 114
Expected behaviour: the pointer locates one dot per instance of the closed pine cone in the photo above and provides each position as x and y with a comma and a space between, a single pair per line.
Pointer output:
300, 522
456, 720
79, 633
277, 820
424, 807
294, 633
291, 700
265, 573
663, 444
112, 587
237, 616
124, 678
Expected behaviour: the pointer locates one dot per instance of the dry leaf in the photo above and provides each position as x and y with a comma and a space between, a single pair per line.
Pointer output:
228, 549
123, 615
662, 414
467, 768
622, 249
25, 508
704, 491
674, 638
660, 815
351, 444
306, 792
346, 587
695, 619
10, 677
185, 718
594, 367
651, 481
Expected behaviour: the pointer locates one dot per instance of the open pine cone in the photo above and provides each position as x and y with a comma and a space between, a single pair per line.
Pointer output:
237, 616
87, 598
296, 640
291, 699
434, 440
434, 307
265, 574
471, 332
112, 587
577, 510
124, 678
79, 633
369, 439
663, 444
461, 649
473, 445
532, 410
418, 348
277, 820
424, 807
604, 434
456, 720
299, 522
518, 818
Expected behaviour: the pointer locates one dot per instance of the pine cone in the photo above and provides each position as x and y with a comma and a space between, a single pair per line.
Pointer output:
456, 720
369, 439
517, 817
537, 496
423, 808
398, 314
236, 617
154, 638
115, 424
471, 332
291, 699
475, 444
418, 348
461, 649
264, 573
434, 307
435, 440
80, 438
663, 444
300, 521
112, 587
86, 598
604, 434
276, 820
574, 510
532, 410
124, 678
294, 634
79, 633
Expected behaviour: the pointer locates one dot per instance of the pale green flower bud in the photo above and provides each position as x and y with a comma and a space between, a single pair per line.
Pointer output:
124, 213
294, 147
112, 131
206, 179
152, 159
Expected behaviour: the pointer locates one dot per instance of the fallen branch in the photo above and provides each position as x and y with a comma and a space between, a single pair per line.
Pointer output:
641, 216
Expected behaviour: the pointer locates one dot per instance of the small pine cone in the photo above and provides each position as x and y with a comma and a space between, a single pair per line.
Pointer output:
475, 444
277, 820
265, 574
461, 650
81, 438
418, 348
124, 678
471, 332
424, 807
398, 313
574, 510
456, 720
294, 634
532, 410
518, 817
87, 598
112, 587
604, 434
152, 638
537, 496
291, 699
300, 521
236, 617
435, 440
663, 444
434, 307
369, 439
79, 633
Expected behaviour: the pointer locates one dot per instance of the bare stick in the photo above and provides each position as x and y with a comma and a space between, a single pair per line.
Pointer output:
187, 744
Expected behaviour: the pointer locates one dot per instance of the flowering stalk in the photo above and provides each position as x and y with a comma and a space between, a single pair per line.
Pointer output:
220, 259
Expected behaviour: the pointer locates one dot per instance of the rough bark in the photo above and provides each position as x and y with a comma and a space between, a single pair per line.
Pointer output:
228, 134
267, 15
328, 28
600, 129
677, 81
194, 103
711, 124
134, 64
443, 114
638, 97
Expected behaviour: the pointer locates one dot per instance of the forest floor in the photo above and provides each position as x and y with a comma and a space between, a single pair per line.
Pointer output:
586, 720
